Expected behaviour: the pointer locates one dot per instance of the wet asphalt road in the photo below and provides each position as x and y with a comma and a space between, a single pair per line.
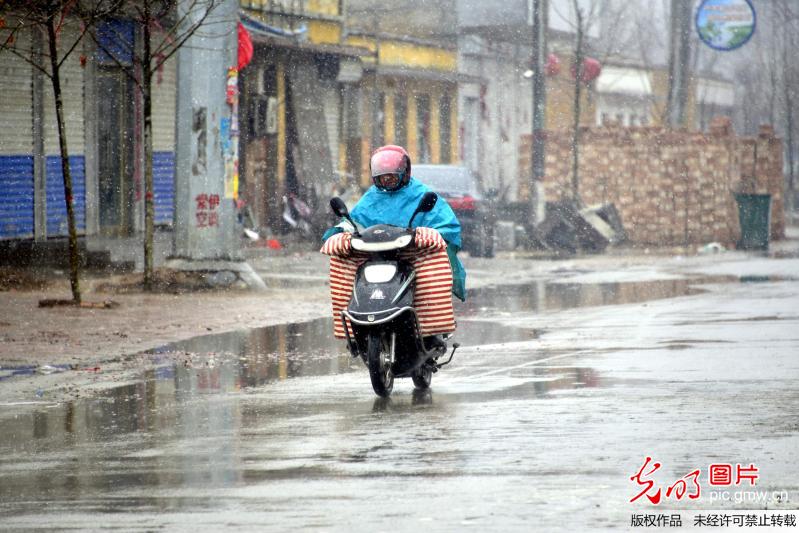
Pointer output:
555, 399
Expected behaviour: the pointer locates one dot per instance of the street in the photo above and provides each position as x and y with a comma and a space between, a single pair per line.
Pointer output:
597, 198
561, 390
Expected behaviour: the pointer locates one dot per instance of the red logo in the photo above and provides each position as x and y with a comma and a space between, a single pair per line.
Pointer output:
719, 474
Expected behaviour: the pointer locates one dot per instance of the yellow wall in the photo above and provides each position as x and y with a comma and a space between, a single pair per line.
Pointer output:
322, 7
412, 140
397, 53
281, 124
324, 32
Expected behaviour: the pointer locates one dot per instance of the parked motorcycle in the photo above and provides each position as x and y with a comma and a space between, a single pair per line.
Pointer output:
385, 326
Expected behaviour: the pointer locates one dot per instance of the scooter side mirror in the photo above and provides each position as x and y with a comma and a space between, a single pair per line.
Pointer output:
339, 207
426, 204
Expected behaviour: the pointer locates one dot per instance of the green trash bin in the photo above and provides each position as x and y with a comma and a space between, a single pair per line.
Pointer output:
754, 215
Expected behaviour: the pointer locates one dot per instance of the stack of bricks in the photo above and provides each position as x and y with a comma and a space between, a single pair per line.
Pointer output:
670, 186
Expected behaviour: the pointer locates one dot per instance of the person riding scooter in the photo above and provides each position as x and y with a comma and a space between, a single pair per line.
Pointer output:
392, 200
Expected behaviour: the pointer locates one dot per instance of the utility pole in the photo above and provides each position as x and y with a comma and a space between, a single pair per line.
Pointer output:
679, 62
206, 236
537, 20
578, 81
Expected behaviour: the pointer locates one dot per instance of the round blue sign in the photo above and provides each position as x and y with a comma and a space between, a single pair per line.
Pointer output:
725, 24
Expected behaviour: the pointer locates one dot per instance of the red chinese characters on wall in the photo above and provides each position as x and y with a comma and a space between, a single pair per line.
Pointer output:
206, 214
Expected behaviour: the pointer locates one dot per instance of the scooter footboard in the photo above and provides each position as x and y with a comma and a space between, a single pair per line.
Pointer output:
405, 323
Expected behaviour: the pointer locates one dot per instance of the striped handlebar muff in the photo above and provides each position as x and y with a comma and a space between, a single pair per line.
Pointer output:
433, 299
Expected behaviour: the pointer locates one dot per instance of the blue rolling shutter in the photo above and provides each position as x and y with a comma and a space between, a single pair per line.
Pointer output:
56, 206
115, 42
16, 196
164, 186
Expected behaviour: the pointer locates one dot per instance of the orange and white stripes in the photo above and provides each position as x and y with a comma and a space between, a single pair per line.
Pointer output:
433, 299
338, 244
342, 280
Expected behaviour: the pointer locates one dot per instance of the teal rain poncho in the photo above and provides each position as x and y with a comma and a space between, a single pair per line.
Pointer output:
396, 208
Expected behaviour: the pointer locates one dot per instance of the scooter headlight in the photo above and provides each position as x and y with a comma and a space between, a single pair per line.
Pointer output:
379, 273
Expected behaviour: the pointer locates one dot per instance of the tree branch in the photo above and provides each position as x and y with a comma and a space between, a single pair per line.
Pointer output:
161, 57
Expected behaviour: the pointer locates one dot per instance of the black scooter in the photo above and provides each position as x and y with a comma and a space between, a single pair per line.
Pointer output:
386, 332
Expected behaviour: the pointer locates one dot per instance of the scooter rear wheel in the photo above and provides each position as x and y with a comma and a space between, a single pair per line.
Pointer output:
378, 359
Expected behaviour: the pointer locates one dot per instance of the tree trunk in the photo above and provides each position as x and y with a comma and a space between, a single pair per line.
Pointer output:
578, 84
149, 209
74, 257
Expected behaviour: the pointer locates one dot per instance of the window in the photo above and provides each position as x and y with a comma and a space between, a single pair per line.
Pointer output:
445, 129
350, 120
379, 121
263, 111
400, 120
423, 128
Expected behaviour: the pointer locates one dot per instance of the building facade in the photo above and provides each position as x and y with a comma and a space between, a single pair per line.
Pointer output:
104, 138
323, 91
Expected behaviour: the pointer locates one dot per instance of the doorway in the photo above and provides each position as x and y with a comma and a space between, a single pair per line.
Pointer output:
115, 151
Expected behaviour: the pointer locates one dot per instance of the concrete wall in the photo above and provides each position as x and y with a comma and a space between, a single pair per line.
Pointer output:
670, 187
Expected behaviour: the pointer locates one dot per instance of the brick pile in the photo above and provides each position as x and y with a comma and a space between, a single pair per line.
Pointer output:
669, 186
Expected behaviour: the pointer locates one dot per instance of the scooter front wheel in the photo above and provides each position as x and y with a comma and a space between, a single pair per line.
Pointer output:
379, 361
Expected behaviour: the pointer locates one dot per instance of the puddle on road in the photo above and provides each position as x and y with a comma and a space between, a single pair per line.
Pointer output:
262, 355
198, 387
546, 297
249, 359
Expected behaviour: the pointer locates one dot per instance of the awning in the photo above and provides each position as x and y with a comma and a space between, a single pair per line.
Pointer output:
624, 80
274, 36
715, 92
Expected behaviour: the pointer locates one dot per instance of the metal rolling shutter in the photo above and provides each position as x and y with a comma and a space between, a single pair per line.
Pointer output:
56, 205
16, 145
164, 186
164, 92
16, 196
72, 89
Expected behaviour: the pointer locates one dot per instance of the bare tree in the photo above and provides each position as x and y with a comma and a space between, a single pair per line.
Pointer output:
47, 20
581, 21
579, 55
164, 30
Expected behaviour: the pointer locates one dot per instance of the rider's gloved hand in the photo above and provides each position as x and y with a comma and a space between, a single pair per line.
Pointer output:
339, 244
429, 239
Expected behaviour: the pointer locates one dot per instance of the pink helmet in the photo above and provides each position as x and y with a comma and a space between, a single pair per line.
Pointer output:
394, 160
